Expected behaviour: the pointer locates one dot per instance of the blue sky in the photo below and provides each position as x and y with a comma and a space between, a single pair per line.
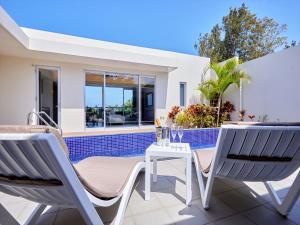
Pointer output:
172, 25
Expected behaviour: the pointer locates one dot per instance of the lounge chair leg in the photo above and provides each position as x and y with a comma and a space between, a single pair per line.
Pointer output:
35, 214
122, 207
205, 190
285, 206
208, 190
126, 194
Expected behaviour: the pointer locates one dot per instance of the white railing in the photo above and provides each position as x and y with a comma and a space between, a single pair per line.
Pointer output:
39, 116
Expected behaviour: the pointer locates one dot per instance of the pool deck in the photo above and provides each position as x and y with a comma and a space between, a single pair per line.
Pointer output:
232, 203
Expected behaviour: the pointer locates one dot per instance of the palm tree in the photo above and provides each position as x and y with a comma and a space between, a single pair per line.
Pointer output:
227, 74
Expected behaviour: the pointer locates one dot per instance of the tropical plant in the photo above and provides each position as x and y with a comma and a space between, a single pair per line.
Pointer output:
200, 115
128, 108
227, 75
226, 109
251, 117
184, 119
242, 114
173, 113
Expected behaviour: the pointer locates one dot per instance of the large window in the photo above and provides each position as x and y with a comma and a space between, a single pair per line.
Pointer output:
94, 108
119, 100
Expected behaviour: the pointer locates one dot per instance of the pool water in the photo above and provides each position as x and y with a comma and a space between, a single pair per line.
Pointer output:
132, 144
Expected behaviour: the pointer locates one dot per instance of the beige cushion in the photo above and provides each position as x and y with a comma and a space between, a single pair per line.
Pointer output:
105, 177
205, 158
12, 129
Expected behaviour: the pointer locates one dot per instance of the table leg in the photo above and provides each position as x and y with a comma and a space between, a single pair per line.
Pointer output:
188, 180
147, 178
155, 169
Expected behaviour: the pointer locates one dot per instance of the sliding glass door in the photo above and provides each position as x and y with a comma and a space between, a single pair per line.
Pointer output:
147, 100
119, 100
94, 107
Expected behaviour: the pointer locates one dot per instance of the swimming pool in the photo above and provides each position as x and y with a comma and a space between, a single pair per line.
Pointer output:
132, 144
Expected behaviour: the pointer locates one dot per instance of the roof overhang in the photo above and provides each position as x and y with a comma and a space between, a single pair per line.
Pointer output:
29, 43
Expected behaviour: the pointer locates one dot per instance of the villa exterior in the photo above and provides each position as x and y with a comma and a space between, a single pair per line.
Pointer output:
93, 88
91, 85
86, 84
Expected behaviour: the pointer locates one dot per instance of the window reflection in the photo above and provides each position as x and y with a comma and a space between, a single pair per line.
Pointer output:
113, 100
94, 100
121, 100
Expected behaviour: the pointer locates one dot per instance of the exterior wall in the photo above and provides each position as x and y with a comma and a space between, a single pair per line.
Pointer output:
18, 88
275, 87
188, 71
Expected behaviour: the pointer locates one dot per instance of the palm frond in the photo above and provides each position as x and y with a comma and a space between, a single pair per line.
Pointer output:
227, 74
209, 89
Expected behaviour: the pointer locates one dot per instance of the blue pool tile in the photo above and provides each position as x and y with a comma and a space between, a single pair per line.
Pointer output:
133, 144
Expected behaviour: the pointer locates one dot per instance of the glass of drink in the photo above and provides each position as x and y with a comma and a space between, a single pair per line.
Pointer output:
180, 132
158, 135
173, 131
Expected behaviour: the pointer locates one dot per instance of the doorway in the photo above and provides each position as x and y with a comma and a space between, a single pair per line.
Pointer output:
48, 95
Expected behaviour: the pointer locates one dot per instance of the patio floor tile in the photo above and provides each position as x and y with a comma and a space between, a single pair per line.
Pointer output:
217, 209
181, 214
170, 197
138, 205
262, 215
159, 216
237, 201
128, 221
231, 203
236, 219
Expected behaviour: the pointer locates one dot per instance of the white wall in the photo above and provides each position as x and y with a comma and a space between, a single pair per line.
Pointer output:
188, 71
275, 87
18, 88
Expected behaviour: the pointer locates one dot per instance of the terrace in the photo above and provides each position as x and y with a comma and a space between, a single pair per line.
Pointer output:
232, 203
105, 98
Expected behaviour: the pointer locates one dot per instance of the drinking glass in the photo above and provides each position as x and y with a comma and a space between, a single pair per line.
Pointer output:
158, 135
173, 132
180, 133
166, 136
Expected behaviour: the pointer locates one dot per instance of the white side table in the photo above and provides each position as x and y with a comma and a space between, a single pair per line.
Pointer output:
177, 150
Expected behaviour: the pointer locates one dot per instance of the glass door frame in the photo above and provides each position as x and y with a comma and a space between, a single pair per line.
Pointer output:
140, 99
104, 73
37, 93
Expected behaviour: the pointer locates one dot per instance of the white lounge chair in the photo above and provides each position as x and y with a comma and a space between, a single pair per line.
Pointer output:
34, 165
252, 153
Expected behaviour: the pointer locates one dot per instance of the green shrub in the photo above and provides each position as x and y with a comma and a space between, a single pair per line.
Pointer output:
200, 115
184, 119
